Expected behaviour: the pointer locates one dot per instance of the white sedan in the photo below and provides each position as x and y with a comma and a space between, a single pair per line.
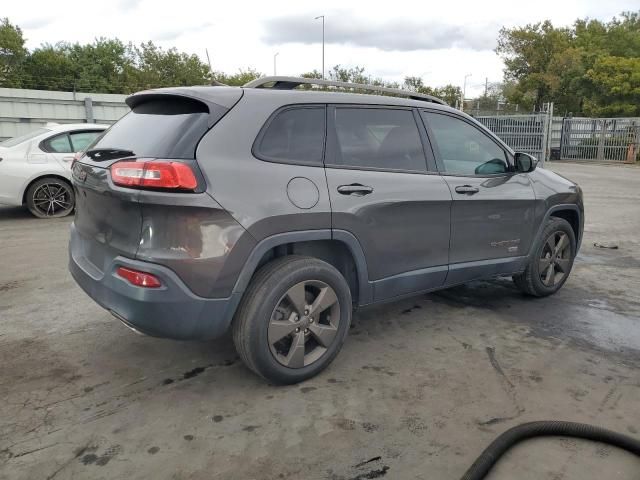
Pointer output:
35, 169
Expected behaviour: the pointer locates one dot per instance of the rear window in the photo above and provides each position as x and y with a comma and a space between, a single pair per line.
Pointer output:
159, 128
81, 140
293, 135
12, 142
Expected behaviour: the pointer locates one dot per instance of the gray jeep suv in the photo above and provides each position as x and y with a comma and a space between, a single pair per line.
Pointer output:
275, 211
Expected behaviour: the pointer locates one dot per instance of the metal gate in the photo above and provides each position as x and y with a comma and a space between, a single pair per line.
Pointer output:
600, 139
523, 133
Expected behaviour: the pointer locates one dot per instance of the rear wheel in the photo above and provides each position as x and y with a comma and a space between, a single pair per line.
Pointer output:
50, 197
551, 264
293, 319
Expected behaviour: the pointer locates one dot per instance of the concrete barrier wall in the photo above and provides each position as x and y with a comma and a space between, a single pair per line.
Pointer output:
24, 110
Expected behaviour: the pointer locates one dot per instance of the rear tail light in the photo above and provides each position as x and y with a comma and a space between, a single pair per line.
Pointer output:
154, 174
139, 279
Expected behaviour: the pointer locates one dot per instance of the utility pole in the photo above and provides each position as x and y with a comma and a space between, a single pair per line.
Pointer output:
208, 61
274, 63
464, 92
486, 86
322, 17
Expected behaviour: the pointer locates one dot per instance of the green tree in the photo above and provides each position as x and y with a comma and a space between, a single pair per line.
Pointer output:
415, 84
49, 68
106, 65
616, 87
449, 93
156, 67
12, 54
238, 79
620, 37
313, 74
570, 66
348, 74
527, 53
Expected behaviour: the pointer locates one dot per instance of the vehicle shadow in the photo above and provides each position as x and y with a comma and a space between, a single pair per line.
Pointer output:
179, 356
172, 362
555, 318
13, 213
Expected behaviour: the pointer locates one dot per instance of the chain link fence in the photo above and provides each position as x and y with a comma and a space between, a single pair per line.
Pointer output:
556, 138
523, 133
600, 139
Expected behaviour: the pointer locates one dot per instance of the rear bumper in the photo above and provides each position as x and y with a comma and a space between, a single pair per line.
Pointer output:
171, 311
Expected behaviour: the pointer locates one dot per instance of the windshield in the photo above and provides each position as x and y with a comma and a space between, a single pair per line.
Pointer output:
12, 142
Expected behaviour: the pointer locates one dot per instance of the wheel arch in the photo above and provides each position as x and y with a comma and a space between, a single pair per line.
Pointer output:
569, 212
340, 249
570, 215
40, 177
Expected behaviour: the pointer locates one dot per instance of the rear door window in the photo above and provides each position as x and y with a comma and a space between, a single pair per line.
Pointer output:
293, 135
378, 138
159, 128
57, 144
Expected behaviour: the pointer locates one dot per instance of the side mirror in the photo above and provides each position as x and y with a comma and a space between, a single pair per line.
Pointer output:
525, 162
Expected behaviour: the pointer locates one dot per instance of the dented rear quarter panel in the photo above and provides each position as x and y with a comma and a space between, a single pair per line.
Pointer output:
195, 237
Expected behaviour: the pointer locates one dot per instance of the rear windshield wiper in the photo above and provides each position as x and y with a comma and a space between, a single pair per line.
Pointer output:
102, 154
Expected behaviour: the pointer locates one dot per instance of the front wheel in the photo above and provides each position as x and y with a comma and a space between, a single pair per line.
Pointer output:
551, 263
293, 319
50, 197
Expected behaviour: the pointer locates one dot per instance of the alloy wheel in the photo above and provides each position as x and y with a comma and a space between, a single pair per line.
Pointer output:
304, 324
555, 259
51, 199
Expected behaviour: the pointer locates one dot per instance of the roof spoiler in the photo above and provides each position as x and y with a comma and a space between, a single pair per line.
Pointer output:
215, 110
289, 83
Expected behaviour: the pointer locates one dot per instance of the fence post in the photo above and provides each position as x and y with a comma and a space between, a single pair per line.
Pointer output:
547, 133
601, 139
563, 136
634, 143
88, 109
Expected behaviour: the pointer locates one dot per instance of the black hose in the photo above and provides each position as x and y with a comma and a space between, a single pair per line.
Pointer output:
508, 439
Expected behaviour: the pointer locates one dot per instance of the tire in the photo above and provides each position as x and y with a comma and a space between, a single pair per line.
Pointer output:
50, 197
547, 272
269, 308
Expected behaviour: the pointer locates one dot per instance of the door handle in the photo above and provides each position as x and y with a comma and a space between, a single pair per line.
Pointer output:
67, 159
467, 189
355, 189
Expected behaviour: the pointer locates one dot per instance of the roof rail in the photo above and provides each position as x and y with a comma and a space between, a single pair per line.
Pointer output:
289, 83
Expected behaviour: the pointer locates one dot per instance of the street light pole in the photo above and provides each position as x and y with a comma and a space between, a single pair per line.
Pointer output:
322, 17
274, 63
464, 91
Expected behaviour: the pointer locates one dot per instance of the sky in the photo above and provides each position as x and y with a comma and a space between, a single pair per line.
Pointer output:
438, 41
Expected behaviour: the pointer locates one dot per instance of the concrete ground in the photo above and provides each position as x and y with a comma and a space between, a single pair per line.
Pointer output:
419, 389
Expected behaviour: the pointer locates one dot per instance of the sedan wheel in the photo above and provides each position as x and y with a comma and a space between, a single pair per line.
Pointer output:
50, 197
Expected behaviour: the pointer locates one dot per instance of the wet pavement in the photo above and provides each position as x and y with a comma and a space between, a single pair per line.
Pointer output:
420, 388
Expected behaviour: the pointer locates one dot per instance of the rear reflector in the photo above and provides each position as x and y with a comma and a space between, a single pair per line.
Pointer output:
139, 279
152, 174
